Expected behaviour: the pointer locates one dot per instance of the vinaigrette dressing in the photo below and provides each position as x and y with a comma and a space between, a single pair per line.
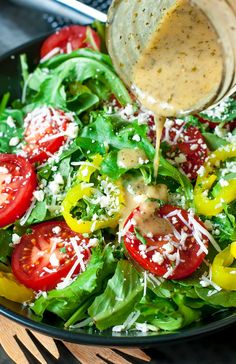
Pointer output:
182, 60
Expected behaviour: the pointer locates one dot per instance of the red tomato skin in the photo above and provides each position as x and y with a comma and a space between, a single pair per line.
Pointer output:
37, 151
191, 260
47, 148
16, 208
73, 34
31, 276
188, 138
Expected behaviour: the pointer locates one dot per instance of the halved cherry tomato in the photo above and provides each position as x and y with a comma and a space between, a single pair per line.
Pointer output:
48, 254
71, 38
45, 132
187, 146
17, 184
173, 253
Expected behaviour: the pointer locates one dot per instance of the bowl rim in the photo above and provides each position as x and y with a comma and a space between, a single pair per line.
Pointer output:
116, 341
105, 339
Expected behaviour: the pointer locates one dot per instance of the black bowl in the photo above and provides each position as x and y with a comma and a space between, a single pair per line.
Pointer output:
10, 80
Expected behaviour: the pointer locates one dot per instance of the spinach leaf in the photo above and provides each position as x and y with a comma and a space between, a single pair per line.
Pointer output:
116, 303
65, 302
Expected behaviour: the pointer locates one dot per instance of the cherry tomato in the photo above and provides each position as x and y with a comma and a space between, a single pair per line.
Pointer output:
187, 146
69, 39
175, 252
17, 184
45, 256
45, 132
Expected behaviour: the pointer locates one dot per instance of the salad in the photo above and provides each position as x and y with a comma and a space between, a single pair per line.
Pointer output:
89, 236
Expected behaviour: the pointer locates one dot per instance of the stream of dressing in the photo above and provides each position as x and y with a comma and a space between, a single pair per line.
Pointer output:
181, 68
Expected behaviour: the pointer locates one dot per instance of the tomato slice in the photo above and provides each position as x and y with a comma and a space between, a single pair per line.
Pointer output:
187, 146
48, 254
175, 247
46, 131
69, 39
17, 184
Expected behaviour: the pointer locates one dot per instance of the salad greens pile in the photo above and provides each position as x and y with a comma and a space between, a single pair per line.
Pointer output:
112, 292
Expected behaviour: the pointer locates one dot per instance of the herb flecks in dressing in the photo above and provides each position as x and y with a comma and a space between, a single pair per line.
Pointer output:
131, 158
137, 192
149, 222
181, 68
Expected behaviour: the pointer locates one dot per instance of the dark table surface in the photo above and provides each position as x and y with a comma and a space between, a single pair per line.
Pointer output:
18, 25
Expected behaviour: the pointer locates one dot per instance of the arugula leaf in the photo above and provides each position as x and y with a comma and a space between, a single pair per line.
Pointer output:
82, 52
83, 102
4, 102
116, 303
222, 298
166, 169
51, 89
160, 313
5, 241
11, 122
213, 141
101, 30
139, 236
192, 120
65, 302
225, 111
38, 213
105, 131
225, 223
24, 67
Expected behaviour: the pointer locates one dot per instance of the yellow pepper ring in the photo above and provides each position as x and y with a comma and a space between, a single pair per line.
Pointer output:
87, 169
203, 204
13, 290
222, 274
75, 194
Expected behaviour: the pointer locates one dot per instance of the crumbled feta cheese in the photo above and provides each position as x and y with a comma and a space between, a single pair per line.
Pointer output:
223, 182
56, 230
181, 158
54, 260
158, 258
58, 179
15, 239
136, 138
14, 141
4, 170
168, 247
39, 195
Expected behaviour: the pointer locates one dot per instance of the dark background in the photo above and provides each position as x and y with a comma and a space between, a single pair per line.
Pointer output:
19, 24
